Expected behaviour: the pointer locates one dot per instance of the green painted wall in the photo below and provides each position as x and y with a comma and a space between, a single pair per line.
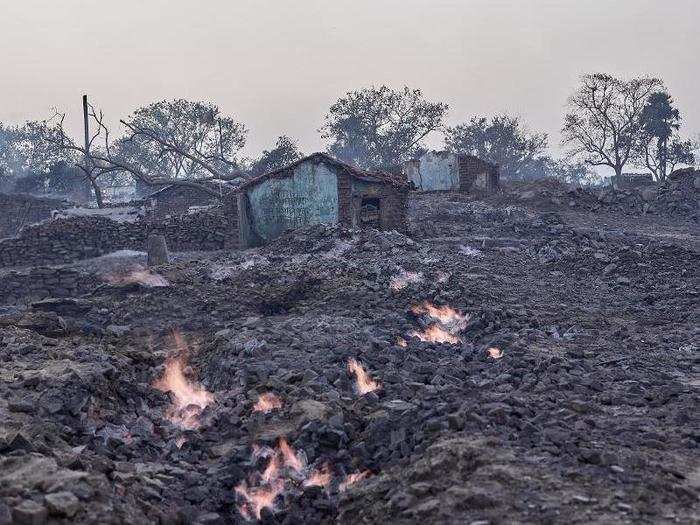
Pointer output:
309, 196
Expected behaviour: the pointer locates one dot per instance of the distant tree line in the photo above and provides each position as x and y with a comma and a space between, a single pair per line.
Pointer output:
609, 122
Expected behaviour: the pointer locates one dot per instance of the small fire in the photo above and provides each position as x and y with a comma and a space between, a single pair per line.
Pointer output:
320, 477
189, 399
353, 478
435, 334
401, 342
494, 352
444, 314
139, 275
363, 382
267, 402
262, 489
400, 281
290, 457
449, 323
257, 499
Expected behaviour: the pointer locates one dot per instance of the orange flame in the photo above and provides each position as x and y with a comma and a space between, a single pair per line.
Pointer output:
449, 322
444, 314
189, 399
290, 457
353, 478
363, 382
140, 275
435, 334
494, 352
320, 477
267, 402
401, 342
257, 499
272, 480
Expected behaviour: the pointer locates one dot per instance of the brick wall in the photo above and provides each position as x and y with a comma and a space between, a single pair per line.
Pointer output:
392, 204
471, 167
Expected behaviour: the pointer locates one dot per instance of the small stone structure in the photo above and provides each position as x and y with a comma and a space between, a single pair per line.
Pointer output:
157, 250
177, 200
447, 171
633, 180
319, 190
18, 210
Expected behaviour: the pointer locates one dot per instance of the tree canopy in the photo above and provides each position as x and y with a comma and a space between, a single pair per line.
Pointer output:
602, 125
503, 140
660, 148
380, 127
177, 138
285, 152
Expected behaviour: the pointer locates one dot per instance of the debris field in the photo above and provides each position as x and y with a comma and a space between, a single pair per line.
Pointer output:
511, 359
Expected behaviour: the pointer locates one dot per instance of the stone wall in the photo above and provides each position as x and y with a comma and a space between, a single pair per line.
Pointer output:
44, 282
18, 210
176, 200
66, 240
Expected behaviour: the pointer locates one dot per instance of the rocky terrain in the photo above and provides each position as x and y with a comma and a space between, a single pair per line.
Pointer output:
510, 360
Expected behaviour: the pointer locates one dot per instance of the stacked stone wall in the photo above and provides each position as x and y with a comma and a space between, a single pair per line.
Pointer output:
66, 240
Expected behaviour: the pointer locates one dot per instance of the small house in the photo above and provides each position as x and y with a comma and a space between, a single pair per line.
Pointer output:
447, 171
319, 189
177, 200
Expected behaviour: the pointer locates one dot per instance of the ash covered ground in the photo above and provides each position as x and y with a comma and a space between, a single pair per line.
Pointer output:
530, 357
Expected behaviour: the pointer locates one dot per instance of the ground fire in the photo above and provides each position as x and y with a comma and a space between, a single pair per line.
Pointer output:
189, 398
330, 296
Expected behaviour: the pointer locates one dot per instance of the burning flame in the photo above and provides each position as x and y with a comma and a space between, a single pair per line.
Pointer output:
435, 334
271, 482
363, 382
290, 457
449, 323
494, 353
257, 499
320, 477
140, 275
189, 399
401, 342
353, 478
267, 402
444, 314
400, 281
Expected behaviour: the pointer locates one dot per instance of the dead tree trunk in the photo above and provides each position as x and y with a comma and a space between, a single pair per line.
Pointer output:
157, 250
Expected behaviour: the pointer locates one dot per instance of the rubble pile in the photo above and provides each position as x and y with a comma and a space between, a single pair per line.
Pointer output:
497, 364
677, 196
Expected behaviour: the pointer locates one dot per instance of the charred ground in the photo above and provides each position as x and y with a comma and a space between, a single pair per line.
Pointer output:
588, 415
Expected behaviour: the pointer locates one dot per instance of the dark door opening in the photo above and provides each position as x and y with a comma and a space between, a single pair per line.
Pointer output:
370, 213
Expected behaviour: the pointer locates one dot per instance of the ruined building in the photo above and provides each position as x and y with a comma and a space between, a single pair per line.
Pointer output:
319, 190
177, 200
446, 171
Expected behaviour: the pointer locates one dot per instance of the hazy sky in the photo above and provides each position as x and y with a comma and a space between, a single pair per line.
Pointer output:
278, 65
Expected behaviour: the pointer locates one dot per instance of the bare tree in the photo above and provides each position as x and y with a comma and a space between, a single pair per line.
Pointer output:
99, 157
182, 139
603, 122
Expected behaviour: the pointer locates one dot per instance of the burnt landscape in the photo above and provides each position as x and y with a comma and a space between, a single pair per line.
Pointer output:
514, 358
365, 262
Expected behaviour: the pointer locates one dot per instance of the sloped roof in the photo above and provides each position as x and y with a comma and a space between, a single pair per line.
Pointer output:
207, 187
381, 177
